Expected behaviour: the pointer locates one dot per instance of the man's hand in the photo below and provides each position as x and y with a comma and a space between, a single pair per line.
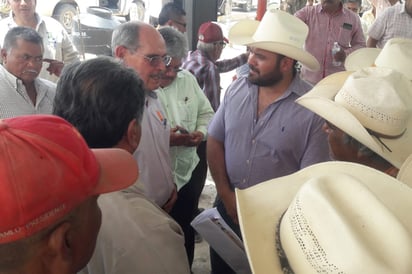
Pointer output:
55, 67
181, 137
171, 202
340, 56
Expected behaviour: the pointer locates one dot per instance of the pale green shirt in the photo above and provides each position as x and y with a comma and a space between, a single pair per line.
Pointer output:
187, 106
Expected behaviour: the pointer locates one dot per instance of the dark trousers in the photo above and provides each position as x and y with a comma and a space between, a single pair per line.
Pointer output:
185, 208
218, 265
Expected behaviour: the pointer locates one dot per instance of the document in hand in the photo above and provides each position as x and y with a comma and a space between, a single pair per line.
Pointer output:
210, 225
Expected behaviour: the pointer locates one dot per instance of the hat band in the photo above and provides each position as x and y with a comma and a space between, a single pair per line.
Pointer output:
378, 136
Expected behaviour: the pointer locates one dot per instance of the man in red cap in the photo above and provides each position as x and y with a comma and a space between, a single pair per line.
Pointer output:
49, 184
203, 64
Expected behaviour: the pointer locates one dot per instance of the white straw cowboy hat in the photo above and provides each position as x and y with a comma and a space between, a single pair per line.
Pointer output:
278, 32
333, 217
396, 54
373, 105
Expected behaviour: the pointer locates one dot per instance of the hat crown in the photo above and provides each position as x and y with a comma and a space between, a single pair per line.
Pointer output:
339, 204
278, 32
380, 98
281, 27
397, 54
46, 169
210, 32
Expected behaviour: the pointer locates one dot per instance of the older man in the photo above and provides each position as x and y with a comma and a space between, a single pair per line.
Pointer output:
49, 182
141, 47
203, 63
361, 125
135, 234
58, 47
259, 132
22, 91
189, 113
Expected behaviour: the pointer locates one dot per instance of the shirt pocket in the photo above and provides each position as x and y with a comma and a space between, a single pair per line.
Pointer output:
345, 36
187, 113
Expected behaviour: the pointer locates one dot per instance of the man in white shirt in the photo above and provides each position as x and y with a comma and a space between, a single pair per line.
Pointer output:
22, 92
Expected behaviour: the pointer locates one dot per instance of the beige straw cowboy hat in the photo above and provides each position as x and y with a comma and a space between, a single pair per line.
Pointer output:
278, 32
373, 105
396, 54
333, 217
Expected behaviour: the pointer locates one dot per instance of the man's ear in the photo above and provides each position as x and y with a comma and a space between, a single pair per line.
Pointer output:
286, 63
120, 52
59, 254
134, 132
4, 56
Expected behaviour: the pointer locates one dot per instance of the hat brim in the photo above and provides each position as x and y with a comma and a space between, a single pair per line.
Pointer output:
242, 33
261, 206
320, 100
361, 58
118, 170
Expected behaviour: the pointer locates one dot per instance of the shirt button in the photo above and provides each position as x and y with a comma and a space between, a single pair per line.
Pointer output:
247, 161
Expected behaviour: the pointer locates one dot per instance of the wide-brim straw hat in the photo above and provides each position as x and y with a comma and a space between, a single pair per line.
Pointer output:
373, 105
278, 32
396, 54
333, 217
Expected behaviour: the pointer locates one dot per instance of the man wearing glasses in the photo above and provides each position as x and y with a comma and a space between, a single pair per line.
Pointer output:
189, 112
149, 59
22, 91
174, 16
203, 64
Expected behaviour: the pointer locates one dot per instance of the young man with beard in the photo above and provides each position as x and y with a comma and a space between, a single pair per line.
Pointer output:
259, 132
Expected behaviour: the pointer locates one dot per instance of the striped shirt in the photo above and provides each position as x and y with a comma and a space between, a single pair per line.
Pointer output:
393, 22
14, 100
208, 72
343, 27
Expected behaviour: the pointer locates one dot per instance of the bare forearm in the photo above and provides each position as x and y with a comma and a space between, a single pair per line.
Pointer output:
217, 166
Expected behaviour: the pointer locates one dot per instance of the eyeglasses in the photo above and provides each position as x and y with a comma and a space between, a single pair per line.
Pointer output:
220, 43
180, 23
155, 60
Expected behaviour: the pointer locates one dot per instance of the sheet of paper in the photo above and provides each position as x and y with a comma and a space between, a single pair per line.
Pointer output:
210, 225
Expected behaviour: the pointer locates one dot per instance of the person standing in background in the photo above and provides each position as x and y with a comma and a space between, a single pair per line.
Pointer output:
328, 23
22, 92
58, 47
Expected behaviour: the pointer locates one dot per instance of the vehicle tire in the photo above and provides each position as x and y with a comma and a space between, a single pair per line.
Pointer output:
64, 14
221, 7
136, 12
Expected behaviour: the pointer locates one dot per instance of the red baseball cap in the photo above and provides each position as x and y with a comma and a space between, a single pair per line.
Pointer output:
210, 32
47, 169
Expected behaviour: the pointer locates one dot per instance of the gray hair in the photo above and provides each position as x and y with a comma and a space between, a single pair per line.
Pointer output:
24, 33
176, 43
205, 47
127, 35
